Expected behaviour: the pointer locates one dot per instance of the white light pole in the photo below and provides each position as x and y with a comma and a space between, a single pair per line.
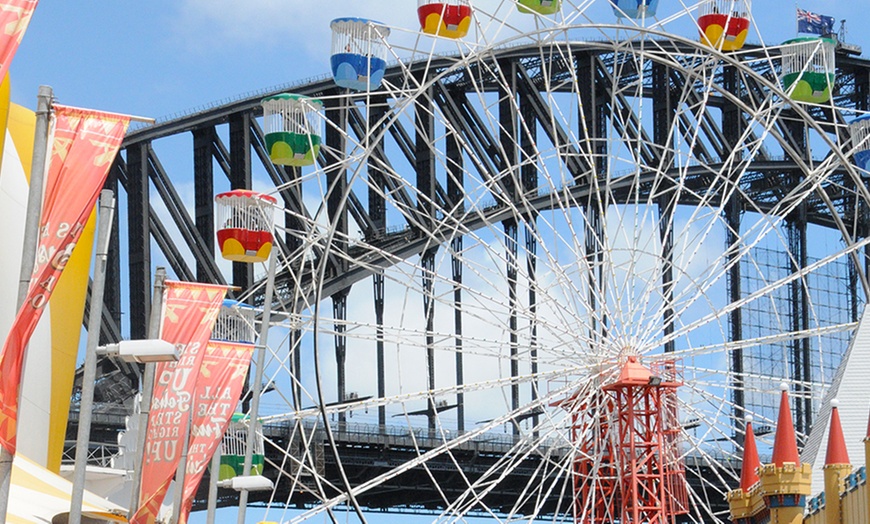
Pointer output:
89, 373
147, 385
258, 380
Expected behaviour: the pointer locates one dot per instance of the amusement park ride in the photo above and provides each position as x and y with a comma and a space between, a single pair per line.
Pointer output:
650, 174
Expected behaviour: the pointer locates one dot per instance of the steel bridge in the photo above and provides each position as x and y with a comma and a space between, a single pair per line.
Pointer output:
367, 451
225, 145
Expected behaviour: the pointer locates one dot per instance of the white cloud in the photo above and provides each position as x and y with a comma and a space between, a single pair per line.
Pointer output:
301, 29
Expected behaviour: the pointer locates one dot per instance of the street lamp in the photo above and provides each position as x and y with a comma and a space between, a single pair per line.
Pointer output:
145, 351
249, 483
141, 351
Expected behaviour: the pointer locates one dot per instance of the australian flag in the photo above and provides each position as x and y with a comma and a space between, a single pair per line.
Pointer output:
812, 23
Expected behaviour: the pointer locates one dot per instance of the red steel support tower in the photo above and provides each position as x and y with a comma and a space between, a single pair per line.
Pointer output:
628, 467
595, 478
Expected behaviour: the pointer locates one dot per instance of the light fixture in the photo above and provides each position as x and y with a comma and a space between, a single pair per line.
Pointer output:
250, 483
141, 351
655, 380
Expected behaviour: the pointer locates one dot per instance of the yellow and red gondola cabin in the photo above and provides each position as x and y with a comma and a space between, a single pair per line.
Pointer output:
449, 18
724, 24
245, 225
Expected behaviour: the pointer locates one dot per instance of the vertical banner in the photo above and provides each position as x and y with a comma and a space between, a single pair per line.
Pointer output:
85, 145
14, 18
189, 312
218, 390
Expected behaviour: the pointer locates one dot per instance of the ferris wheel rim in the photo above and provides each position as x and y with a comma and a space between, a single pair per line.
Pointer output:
491, 223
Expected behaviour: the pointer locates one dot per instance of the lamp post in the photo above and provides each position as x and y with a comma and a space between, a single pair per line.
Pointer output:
141, 351
147, 385
256, 386
148, 351
89, 373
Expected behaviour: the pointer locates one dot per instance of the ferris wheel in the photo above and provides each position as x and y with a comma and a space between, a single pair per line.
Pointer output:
555, 243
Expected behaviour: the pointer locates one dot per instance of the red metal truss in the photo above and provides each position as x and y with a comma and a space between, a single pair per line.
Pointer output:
627, 466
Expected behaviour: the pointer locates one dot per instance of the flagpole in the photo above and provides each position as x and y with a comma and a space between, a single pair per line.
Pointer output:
28, 252
89, 373
797, 24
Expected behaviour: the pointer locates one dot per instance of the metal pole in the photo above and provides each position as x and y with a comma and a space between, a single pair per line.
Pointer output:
212, 486
147, 390
89, 373
258, 380
180, 471
28, 253
34, 196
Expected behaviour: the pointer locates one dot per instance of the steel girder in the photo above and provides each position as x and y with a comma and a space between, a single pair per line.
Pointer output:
184, 242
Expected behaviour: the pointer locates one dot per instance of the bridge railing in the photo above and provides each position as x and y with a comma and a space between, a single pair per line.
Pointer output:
420, 437
100, 454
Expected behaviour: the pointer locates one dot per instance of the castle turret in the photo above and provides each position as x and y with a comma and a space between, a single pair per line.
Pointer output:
746, 502
785, 483
867, 463
837, 468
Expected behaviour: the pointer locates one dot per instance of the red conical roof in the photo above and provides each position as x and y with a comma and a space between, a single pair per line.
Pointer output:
837, 452
751, 462
785, 444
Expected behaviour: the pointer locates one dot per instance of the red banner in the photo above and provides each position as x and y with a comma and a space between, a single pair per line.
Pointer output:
84, 147
14, 18
218, 390
189, 312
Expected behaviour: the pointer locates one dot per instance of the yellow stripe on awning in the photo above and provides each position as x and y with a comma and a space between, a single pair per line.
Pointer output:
37, 495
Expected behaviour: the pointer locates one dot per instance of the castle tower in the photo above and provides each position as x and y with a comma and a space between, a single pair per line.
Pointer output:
837, 467
746, 502
867, 463
785, 483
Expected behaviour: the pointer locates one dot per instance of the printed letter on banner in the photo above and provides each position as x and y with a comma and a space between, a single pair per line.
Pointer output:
218, 389
14, 18
84, 147
189, 312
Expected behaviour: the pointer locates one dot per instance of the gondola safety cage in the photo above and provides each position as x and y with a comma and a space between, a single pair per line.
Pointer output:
636, 9
808, 68
448, 18
724, 24
359, 53
245, 225
541, 7
233, 449
292, 125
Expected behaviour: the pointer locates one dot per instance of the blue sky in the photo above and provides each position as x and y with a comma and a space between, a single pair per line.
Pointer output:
161, 57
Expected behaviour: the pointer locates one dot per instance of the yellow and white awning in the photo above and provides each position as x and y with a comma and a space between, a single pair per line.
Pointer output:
38, 495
